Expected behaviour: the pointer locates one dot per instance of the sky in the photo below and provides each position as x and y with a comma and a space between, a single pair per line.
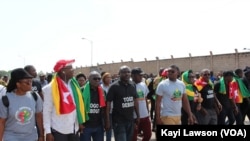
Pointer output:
41, 32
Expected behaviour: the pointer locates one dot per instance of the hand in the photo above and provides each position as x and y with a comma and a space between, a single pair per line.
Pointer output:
195, 119
41, 138
158, 121
107, 126
191, 120
198, 107
49, 137
219, 107
81, 127
137, 121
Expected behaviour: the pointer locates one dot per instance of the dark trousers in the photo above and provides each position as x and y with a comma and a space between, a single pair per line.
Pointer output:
238, 116
64, 137
245, 108
152, 108
152, 113
92, 134
123, 131
226, 112
145, 127
109, 132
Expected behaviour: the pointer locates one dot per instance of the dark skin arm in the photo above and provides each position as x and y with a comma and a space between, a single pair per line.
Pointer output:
41, 94
158, 109
218, 103
49, 137
137, 111
107, 118
2, 126
186, 107
39, 121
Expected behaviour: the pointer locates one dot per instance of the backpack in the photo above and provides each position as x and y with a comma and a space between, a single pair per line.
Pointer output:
6, 103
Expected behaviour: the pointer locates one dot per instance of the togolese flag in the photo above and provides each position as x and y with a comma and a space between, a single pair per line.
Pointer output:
86, 96
189, 86
238, 90
234, 92
200, 83
78, 97
62, 97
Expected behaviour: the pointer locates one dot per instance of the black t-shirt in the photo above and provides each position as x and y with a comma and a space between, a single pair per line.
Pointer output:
223, 98
95, 114
36, 86
207, 94
193, 104
123, 96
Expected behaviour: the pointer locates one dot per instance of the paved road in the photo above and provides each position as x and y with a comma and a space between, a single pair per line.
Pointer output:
153, 138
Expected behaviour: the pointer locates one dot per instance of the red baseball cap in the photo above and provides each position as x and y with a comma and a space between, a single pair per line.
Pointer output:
164, 73
62, 63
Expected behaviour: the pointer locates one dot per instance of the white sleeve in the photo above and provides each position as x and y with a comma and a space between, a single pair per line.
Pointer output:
159, 89
2, 91
47, 108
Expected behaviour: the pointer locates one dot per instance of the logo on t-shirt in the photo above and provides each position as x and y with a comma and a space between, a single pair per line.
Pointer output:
128, 102
140, 93
23, 115
176, 95
94, 108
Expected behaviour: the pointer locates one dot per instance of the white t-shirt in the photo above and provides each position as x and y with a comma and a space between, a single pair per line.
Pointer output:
2, 90
171, 92
142, 92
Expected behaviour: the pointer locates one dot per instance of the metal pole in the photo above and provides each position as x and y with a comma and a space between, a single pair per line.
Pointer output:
91, 52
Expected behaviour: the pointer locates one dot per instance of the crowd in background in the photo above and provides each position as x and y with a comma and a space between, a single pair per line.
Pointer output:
64, 106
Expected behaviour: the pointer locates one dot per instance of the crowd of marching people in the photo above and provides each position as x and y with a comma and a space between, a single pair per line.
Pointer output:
64, 106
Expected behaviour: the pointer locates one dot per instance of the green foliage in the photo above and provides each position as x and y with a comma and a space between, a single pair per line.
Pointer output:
3, 72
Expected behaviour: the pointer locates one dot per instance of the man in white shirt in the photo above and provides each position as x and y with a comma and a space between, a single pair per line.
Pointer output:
59, 109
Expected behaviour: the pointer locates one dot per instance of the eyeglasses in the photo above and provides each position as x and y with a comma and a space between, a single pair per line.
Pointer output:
28, 82
171, 71
206, 74
97, 78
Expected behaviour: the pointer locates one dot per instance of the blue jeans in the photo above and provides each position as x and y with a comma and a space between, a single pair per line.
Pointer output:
123, 131
96, 133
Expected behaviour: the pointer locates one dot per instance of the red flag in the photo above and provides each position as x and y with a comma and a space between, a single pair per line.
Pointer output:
101, 97
65, 101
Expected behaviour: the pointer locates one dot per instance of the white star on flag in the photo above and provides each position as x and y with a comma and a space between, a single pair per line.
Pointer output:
65, 95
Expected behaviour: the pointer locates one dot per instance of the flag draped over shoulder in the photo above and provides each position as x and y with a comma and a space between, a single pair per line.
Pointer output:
79, 102
86, 96
222, 89
62, 98
200, 83
240, 87
234, 92
189, 86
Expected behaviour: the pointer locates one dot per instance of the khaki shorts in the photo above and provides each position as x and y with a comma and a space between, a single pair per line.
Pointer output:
171, 120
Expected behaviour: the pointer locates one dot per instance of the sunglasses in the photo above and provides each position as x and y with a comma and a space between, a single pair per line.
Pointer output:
171, 71
206, 74
97, 78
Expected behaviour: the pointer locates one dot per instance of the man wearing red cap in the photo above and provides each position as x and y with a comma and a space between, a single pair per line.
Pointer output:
63, 104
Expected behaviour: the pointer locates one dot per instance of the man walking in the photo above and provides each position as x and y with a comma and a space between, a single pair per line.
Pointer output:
124, 96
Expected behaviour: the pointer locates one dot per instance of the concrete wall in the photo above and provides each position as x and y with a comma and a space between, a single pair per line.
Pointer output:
215, 63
